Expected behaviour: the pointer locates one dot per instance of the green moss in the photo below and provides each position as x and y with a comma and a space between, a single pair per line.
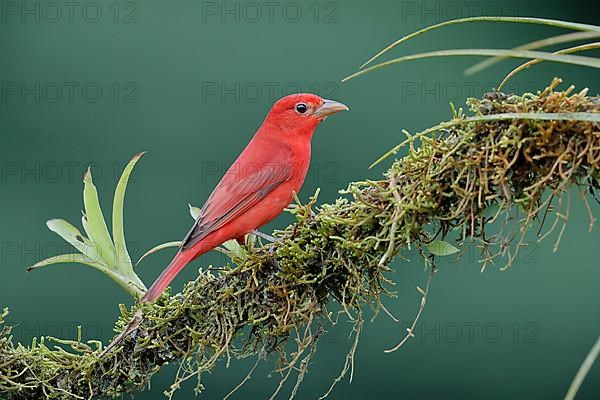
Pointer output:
453, 180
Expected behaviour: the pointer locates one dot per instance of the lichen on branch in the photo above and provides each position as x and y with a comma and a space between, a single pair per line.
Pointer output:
500, 167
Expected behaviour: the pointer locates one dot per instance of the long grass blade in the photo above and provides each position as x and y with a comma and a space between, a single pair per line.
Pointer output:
561, 58
158, 248
523, 20
538, 44
577, 116
583, 370
583, 47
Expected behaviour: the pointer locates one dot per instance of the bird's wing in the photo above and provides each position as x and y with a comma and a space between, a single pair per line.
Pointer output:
233, 196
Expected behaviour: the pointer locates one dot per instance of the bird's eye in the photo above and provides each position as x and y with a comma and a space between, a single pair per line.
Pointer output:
301, 108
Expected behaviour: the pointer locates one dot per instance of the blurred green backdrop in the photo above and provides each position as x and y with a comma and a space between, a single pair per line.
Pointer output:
95, 82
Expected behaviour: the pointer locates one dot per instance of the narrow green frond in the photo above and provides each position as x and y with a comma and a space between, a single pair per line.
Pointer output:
523, 20
583, 47
158, 248
538, 44
561, 58
584, 369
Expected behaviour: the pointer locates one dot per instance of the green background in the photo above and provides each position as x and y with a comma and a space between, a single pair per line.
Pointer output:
190, 88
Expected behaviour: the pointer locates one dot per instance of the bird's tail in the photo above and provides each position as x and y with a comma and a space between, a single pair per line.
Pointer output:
169, 273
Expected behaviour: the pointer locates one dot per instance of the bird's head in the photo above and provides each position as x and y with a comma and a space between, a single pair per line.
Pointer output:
302, 112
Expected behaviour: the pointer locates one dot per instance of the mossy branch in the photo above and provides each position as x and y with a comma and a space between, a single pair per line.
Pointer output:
483, 180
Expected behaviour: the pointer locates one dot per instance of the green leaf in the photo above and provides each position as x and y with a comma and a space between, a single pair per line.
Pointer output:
235, 249
157, 249
84, 223
74, 237
117, 214
492, 210
561, 58
522, 20
67, 258
441, 248
131, 284
3, 314
95, 221
194, 211
97, 249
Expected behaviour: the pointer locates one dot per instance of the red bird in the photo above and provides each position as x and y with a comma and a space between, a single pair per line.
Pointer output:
258, 185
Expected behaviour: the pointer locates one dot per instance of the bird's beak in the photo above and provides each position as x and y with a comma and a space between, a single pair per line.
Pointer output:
330, 107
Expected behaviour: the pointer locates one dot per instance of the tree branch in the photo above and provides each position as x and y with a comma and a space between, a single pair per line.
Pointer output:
456, 179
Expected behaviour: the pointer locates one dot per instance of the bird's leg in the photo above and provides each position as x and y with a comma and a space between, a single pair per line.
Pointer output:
268, 238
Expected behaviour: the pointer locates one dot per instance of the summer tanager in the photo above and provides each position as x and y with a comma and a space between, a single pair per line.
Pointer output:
258, 185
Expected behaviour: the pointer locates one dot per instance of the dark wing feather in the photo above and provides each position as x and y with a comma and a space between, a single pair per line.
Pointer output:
232, 197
